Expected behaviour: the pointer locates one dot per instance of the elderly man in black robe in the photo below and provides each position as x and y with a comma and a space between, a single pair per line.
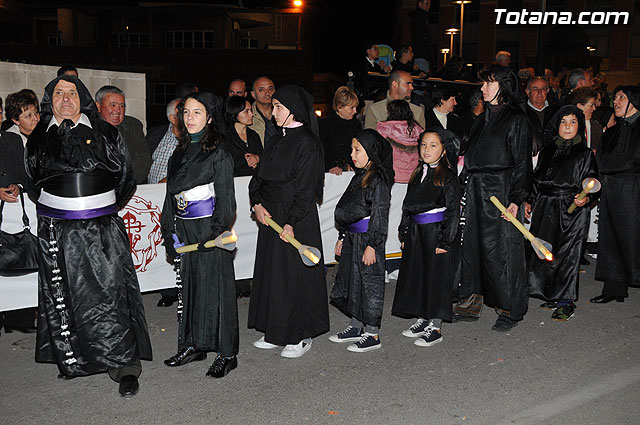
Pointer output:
619, 224
90, 313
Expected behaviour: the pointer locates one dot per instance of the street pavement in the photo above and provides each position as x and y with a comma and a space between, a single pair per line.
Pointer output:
584, 371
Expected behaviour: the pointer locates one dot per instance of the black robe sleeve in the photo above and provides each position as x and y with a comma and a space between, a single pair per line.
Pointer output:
449, 228
127, 182
225, 192
380, 199
307, 177
520, 147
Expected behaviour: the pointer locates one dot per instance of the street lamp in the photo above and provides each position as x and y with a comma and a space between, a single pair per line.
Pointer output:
444, 52
461, 3
451, 32
298, 5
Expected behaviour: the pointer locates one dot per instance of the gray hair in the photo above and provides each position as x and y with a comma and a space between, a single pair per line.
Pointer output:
171, 107
105, 90
575, 76
502, 54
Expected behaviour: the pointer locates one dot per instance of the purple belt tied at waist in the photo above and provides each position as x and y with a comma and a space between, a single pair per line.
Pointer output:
426, 217
197, 209
360, 226
51, 212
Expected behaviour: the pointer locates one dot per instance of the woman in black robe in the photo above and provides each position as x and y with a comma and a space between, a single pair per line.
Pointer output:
200, 204
242, 142
619, 223
90, 311
497, 162
564, 162
288, 299
362, 215
428, 229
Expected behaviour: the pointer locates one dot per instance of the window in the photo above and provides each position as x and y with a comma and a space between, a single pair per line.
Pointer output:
163, 93
130, 39
190, 39
278, 26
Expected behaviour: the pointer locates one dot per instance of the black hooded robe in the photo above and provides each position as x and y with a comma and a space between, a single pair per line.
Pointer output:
288, 299
426, 278
498, 163
94, 322
557, 179
209, 320
619, 223
359, 289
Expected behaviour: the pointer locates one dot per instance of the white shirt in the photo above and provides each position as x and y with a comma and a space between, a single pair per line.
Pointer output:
546, 103
82, 120
15, 129
442, 117
588, 123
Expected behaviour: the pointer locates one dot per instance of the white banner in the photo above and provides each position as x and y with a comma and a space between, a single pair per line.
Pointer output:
142, 218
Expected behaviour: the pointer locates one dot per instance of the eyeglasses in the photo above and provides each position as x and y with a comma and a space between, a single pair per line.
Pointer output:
539, 89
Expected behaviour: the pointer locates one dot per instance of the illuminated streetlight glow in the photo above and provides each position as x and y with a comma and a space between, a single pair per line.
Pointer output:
461, 3
297, 3
444, 52
451, 32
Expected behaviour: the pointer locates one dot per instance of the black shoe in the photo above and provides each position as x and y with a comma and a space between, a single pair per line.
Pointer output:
222, 365
166, 301
549, 305
504, 324
603, 299
463, 318
129, 386
185, 356
27, 330
584, 261
65, 377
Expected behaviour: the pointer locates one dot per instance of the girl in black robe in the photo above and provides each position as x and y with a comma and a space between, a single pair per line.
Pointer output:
430, 215
497, 162
199, 205
288, 299
362, 215
564, 162
619, 223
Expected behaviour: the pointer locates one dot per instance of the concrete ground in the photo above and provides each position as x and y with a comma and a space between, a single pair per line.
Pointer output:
584, 371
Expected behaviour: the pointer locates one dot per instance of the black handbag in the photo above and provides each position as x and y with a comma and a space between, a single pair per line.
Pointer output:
18, 251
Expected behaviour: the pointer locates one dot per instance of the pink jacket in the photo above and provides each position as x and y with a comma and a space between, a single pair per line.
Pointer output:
405, 147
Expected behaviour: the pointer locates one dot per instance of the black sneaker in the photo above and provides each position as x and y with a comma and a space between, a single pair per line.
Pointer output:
368, 342
549, 305
564, 313
431, 336
504, 324
350, 334
417, 329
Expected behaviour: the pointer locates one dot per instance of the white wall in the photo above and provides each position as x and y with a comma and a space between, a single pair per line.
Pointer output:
18, 76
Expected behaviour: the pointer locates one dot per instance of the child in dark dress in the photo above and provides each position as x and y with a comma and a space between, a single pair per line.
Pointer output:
362, 215
430, 215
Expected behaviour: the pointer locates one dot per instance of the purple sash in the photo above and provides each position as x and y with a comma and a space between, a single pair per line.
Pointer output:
197, 209
51, 212
426, 218
360, 226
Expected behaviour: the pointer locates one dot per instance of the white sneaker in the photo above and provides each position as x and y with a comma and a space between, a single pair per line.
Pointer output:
292, 351
417, 329
261, 343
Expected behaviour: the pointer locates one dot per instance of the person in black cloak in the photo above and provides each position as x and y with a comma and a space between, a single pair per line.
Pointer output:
200, 204
497, 162
362, 215
288, 299
619, 223
428, 230
90, 313
564, 162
